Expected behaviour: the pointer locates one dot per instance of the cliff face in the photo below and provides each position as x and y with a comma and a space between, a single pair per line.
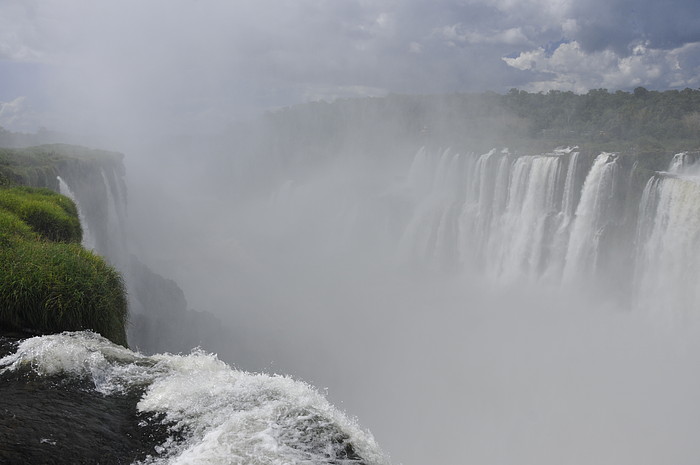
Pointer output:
96, 180
48, 282
159, 319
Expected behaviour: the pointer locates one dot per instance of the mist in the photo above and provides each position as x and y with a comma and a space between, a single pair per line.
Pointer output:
294, 228
305, 267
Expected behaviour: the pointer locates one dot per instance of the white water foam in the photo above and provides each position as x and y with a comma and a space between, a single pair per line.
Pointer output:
226, 416
668, 245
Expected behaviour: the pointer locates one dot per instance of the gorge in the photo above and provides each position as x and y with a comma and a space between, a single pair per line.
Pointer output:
503, 293
501, 305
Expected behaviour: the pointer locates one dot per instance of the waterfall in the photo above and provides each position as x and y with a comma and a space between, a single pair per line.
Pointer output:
505, 215
88, 240
668, 243
480, 203
569, 198
431, 233
591, 218
524, 224
99, 193
527, 217
680, 162
115, 222
418, 175
561, 221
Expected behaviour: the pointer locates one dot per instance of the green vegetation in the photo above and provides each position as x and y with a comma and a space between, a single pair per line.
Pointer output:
11, 227
638, 121
643, 119
39, 166
48, 282
51, 215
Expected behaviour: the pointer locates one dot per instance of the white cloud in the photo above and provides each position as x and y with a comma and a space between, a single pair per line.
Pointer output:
10, 110
20, 39
16, 115
569, 67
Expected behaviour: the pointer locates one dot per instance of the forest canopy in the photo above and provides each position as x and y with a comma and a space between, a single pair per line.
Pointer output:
639, 120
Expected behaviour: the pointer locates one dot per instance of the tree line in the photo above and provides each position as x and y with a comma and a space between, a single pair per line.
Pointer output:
645, 119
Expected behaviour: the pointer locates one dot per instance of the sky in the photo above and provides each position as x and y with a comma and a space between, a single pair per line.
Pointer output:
199, 65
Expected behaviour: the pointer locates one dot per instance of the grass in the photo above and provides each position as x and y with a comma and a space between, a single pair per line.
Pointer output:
51, 215
48, 282
13, 228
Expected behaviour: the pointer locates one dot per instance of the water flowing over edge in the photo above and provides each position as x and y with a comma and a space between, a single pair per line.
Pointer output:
88, 240
561, 219
216, 414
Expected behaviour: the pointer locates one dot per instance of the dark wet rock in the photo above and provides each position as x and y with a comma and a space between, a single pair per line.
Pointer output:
56, 420
63, 419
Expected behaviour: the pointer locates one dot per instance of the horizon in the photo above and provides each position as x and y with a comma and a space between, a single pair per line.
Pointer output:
50, 132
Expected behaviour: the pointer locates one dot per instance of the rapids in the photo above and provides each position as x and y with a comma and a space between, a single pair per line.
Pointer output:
213, 414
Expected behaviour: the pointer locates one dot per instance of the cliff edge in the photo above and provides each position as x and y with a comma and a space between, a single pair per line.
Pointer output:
48, 282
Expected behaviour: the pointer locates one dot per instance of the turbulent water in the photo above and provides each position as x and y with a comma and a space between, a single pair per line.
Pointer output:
214, 414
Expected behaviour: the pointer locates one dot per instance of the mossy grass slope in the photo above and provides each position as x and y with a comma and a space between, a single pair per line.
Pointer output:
48, 282
51, 215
